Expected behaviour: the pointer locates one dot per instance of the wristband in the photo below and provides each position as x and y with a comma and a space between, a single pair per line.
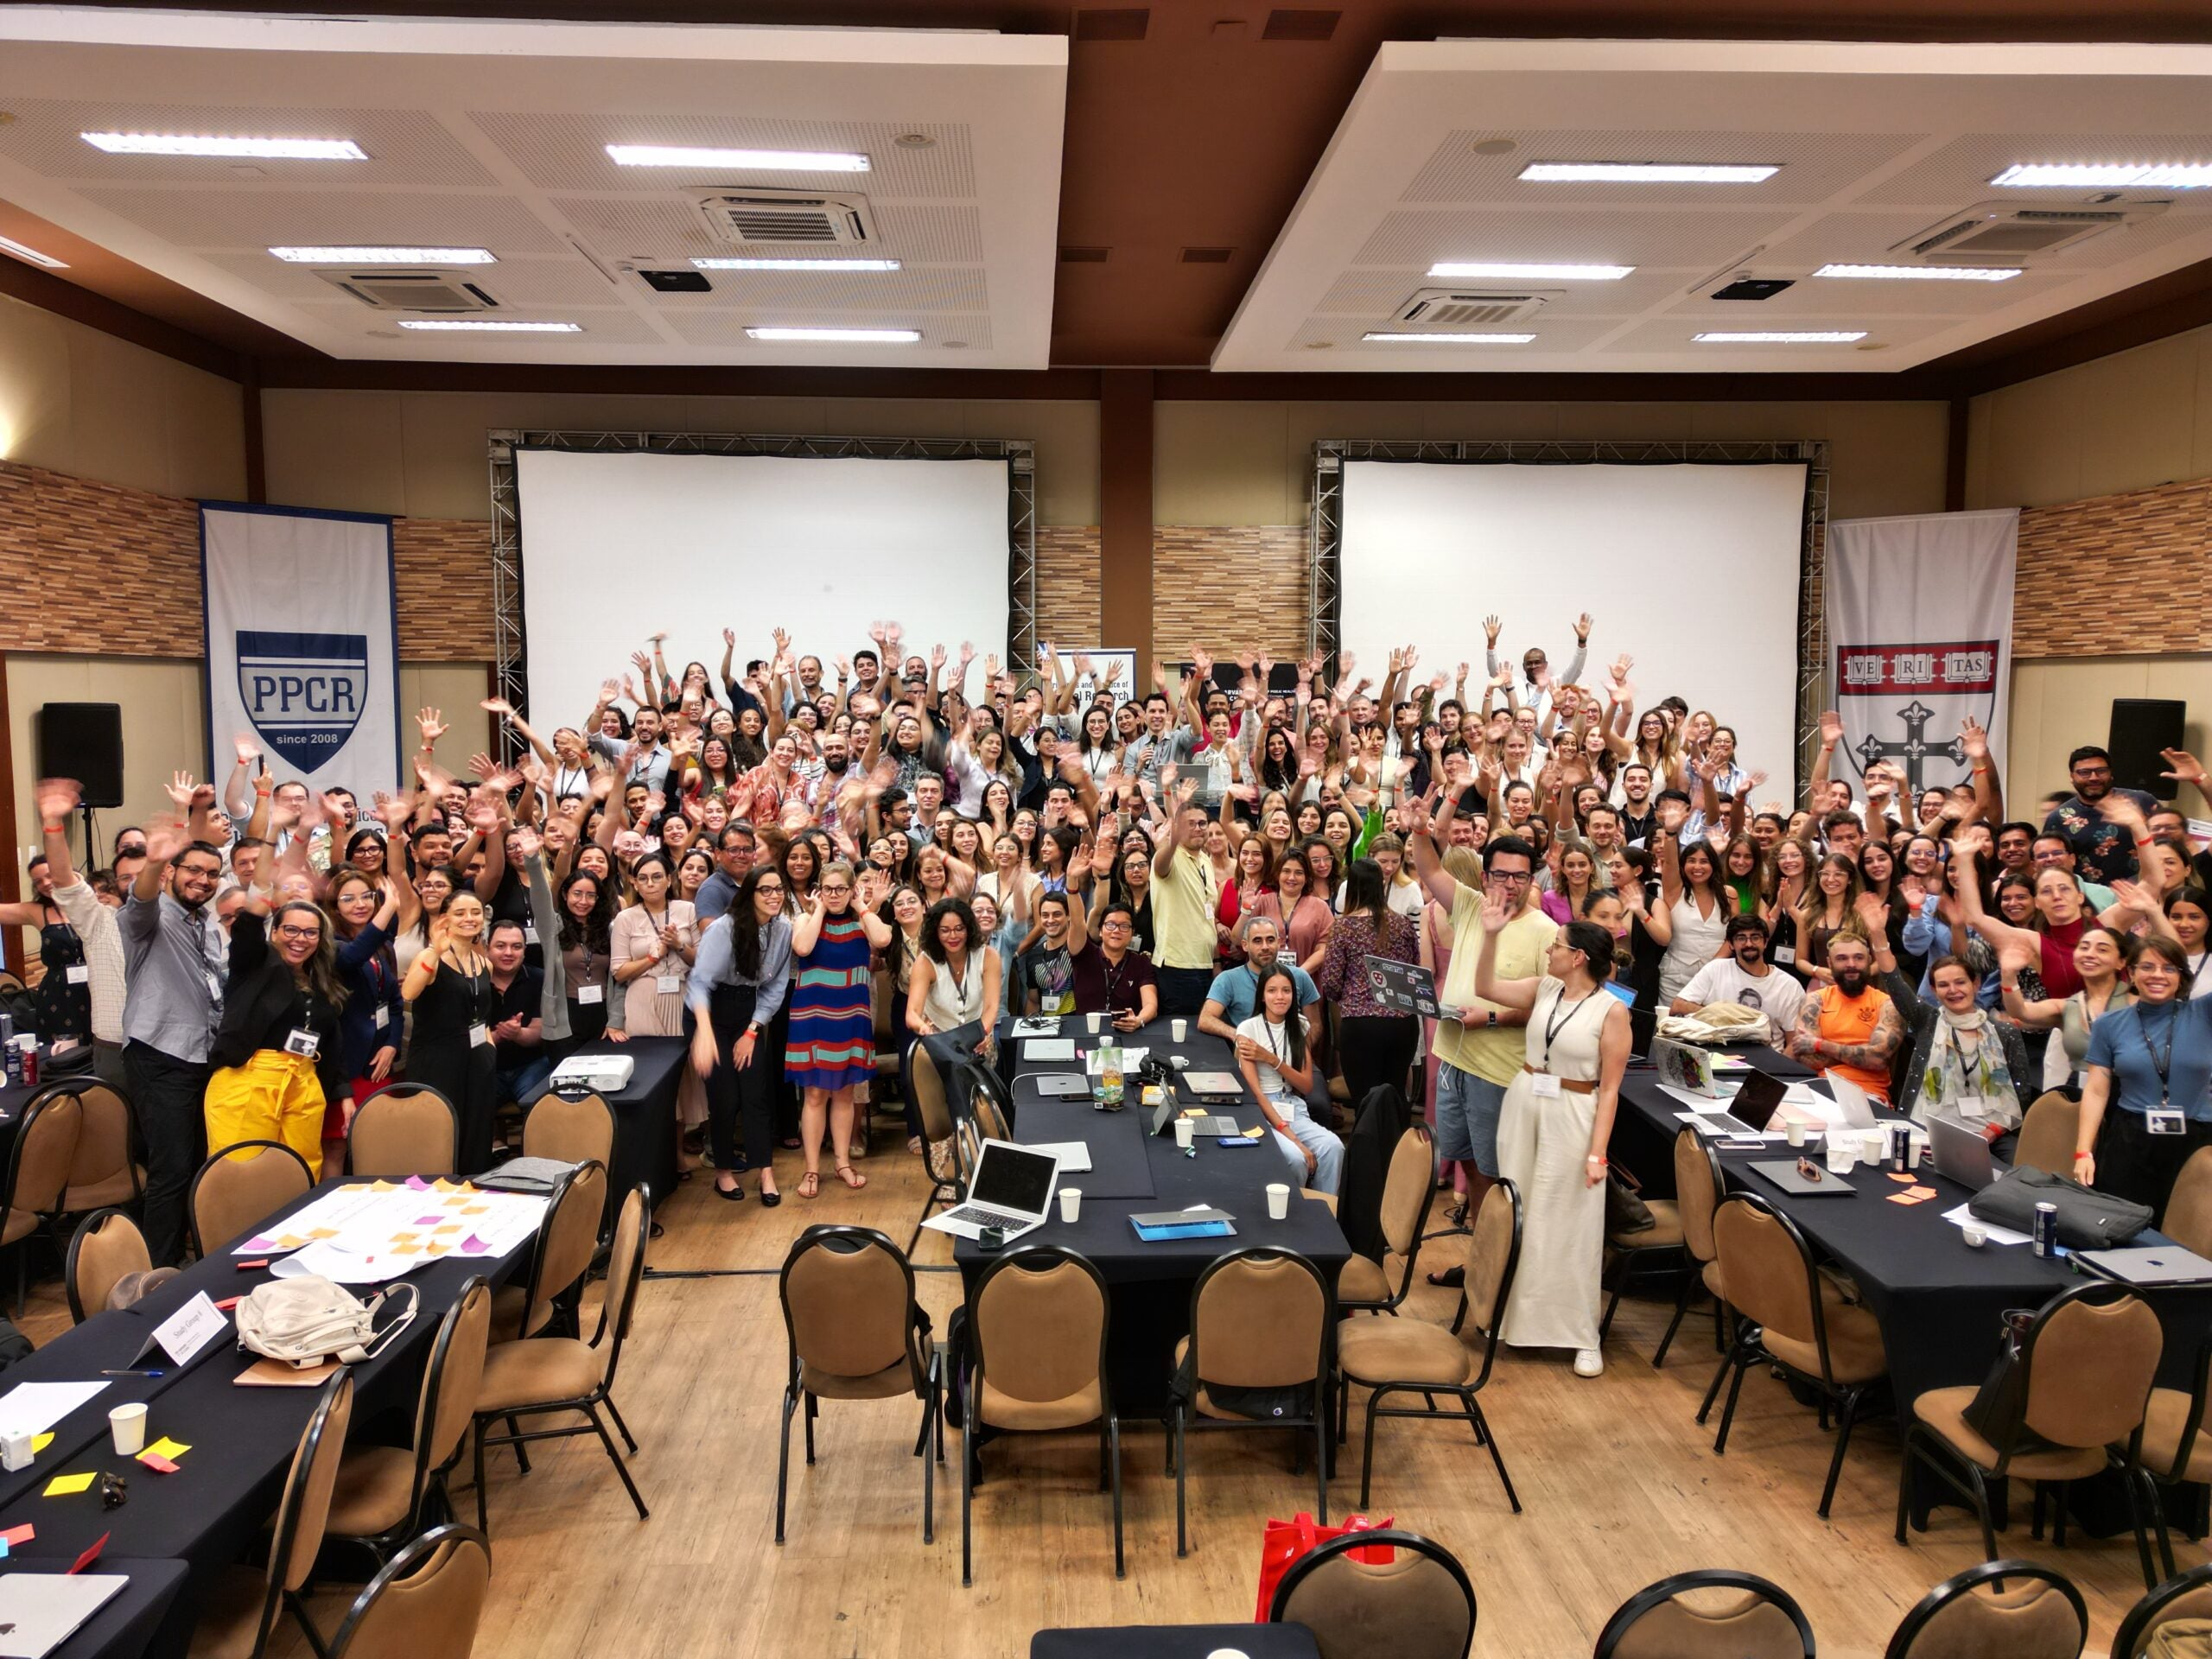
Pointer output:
2079, 1156
51, 829
1594, 1159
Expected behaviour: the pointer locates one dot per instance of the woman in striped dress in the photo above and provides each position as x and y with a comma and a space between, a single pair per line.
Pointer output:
832, 1042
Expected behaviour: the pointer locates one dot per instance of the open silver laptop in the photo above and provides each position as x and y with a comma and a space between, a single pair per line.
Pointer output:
1962, 1153
1011, 1190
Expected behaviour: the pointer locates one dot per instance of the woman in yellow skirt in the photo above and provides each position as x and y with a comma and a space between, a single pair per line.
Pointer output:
279, 1060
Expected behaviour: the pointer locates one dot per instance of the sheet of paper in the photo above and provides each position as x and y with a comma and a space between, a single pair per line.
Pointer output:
1961, 1217
1074, 1156
63, 1485
32, 1408
190, 1328
1696, 1103
326, 1261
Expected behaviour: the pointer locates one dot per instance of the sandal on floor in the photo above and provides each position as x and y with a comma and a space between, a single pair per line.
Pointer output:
810, 1184
851, 1176
1450, 1278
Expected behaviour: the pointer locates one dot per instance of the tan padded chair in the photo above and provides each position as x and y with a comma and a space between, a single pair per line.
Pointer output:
240, 1187
1698, 1188
103, 1176
1737, 1614
409, 1129
568, 1243
2175, 1449
1794, 1316
1037, 1325
1417, 1605
2188, 1220
1388, 1356
2189, 1596
2046, 1140
2000, 1610
940, 1153
580, 1131
1260, 1319
856, 1331
1364, 1285
424, 1605
988, 1109
38, 1172
544, 1376
239, 1609
2088, 1359
103, 1248
385, 1494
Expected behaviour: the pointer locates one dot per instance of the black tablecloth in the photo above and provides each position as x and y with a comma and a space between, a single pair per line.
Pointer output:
1149, 1285
241, 1439
126, 1627
1176, 1642
645, 1116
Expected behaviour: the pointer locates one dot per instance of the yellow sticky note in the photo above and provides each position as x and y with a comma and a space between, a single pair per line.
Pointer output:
438, 1247
39, 1442
63, 1485
324, 1232
1255, 1131
289, 1242
1194, 1112
406, 1249
166, 1447
441, 1185
383, 1186
405, 1238
450, 1227
476, 1210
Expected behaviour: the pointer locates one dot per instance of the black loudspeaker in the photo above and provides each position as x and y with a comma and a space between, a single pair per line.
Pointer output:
84, 740
2140, 727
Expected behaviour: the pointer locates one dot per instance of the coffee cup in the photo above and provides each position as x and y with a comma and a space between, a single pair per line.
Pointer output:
1181, 1029
1975, 1238
1183, 1133
1070, 1202
1097, 1022
126, 1425
1839, 1157
1794, 1131
1278, 1201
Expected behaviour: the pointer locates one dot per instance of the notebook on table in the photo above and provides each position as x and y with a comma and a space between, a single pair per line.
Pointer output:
1200, 1222
41, 1611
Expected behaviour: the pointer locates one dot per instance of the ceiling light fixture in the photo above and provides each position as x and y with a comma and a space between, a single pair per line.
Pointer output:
282, 150
795, 265
9, 245
1644, 172
840, 336
385, 256
2157, 175
1780, 336
1385, 337
490, 326
1924, 273
1460, 270
772, 161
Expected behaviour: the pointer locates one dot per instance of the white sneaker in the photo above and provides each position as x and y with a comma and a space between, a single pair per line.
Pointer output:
1588, 1362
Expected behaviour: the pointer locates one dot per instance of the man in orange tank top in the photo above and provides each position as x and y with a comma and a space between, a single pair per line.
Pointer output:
1849, 1028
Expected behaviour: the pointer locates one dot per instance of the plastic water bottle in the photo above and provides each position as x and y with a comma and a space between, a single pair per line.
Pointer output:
1109, 1072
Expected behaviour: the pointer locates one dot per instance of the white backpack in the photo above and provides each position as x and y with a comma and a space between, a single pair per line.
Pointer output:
307, 1320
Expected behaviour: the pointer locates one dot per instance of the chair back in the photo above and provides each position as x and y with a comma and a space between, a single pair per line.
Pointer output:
626, 1270
1739, 1614
927, 1084
2090, 1358
450, 1382
104, 1248
296, 1536
408, 1129
1699, 1188
849, 1310
988, 1104
424, 1605
1419, 1606
1037, 1321
101, 1172
1779, 1286
241, 1186
2046, 1139
2013, 1608
1493, 1260
2188, 1210
1260, 1319
2189, 1596
568, 1239
1409, 1190
45, 1151
580, 1131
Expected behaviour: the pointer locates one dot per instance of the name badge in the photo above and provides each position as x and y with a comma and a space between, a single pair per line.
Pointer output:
2081, 1081
1973, 1106
479, 1034
382, 1016
669, 984
1544, 1086
79, 974
2165, 1121
529, 934
1784, 955
591, 993
1287, 956
302, 1042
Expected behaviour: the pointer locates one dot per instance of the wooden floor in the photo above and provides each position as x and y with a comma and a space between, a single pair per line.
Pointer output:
1619, 1488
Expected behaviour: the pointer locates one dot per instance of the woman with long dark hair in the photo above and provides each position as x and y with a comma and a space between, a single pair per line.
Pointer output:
449, 990
374, 1015
586, 947
2147, 1103
734, 991
1375, 1043
831, 1047
1277, 1061
279, 1061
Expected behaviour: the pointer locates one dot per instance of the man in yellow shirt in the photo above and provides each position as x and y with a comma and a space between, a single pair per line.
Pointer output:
1183, 899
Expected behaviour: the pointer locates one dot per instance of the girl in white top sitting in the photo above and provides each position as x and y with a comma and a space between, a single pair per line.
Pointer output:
1278, 1067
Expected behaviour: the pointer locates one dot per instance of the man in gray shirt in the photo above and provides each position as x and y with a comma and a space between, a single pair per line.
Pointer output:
732, 863
175, 956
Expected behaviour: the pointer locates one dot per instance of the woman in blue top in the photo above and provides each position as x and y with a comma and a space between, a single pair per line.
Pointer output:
2152, 1060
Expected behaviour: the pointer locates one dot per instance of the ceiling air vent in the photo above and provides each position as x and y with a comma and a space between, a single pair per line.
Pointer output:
740, 217
436, 292
2012, 232
1462, 307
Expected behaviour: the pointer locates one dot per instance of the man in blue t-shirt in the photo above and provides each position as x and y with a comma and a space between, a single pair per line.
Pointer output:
2102, 850
1233, 997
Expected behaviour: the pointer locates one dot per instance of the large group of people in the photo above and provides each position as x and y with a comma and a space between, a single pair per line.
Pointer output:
758, 858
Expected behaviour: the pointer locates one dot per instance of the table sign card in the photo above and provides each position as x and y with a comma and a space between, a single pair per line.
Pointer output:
190, 1328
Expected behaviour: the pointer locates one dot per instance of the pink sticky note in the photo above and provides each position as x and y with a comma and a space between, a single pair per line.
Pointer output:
158, 1464
473, 1246
426, 1221
16, 1535
417, 1184
253, 1244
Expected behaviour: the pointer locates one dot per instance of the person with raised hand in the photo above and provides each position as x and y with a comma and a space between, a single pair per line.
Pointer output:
449, 1042
2146, 1099
99, 943
831, 1047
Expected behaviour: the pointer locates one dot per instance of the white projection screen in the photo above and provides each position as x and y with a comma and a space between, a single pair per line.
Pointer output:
1692, 569
617, 546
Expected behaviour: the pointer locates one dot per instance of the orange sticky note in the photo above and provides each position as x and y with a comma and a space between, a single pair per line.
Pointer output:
406, 1249
476, 1210
1906, 1179
291, 1242
324, 1232
382, 1187
450, 1227
1903, 1198
441, 1185
1922, 1191
403, 1238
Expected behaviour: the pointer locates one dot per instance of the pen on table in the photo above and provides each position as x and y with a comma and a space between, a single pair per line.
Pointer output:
132, 1373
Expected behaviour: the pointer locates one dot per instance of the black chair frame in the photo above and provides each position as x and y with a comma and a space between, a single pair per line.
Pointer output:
1397, 1297
1630, 1611
1182, 1419
399, 1567
1959, 1584
974, 1077
78, 1312
283, 1528
192, 1193
1321, 1554
2201, 1385
566, 1307
929, 1382
2143, 1617
950, 1190
1749, 1348
1693, 1276
49, 1221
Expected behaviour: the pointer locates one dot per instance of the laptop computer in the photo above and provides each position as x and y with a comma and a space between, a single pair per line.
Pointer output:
1962, 1153
1856, 1106
1063, 1085
41, 1611
2149, 1265
1011, 1190
1213, 1083
1218, 1123
1686, 1066
1406, 988
1753, 1105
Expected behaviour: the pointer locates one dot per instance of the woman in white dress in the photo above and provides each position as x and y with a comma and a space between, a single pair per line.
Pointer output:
1553, 1129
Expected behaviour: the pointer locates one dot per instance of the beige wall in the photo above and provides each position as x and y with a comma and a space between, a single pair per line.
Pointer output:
2061, 703
87, 403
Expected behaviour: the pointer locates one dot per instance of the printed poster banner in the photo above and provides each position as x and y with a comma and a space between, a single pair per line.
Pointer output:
302, 649
1920, 616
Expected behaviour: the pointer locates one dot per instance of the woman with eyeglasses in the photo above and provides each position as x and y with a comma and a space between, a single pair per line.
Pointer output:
650, 948
373, 1018
450, 992
734, 992
831, 1047
2146, 1102
279, 1058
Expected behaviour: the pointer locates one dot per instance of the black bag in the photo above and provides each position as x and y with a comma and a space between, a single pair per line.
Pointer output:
1625, 1212
2088, 1220
1998, 1410
1263, 1404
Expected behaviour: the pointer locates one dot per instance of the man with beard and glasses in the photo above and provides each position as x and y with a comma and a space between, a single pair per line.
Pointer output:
1745, 975
2102, 848
1849, 1028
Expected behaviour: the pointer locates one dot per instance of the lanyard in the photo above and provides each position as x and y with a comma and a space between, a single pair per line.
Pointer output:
2161, 1060
1558, 1022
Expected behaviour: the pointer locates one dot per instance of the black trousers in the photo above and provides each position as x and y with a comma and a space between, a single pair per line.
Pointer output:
1374, 1048
171, 1098
739, 1099
2134, 1164
1182, 990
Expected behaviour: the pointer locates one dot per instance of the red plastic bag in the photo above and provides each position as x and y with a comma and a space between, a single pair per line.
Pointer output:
1284, 1541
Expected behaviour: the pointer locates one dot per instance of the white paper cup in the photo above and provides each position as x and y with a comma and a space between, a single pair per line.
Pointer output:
1278, 1201
1183, 1132
1181, 1028
1794, 1134
1097, 1022
127, 1424
1839, 1157
1874, 1147
1070, 1202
